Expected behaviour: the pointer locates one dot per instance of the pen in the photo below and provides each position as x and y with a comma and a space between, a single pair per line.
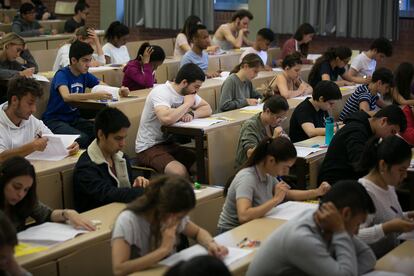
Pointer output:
394, 210
279, 178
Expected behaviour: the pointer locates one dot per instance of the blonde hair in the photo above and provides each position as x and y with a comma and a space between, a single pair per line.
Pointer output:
80, 32
11, 38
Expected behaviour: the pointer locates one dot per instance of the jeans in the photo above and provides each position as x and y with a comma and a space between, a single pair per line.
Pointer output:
81, 126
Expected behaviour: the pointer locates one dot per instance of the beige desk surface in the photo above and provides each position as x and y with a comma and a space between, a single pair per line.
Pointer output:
317, 140
57, 36
400, 259
44, 167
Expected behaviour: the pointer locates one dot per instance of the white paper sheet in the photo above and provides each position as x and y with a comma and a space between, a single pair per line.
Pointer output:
199, 123
302, 97
106, 88
49, 231
55, 149
101, 69
305, 151
313, 57
277, 69
40, 78
407, 236
253, 107
290, 209
223, 76
234, 255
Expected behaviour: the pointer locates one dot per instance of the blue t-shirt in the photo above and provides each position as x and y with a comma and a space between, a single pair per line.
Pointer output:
57, 109
361, 94
200, 61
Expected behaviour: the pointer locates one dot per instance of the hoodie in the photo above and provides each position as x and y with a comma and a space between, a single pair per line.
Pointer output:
138, 76
25, 28
12, 136
346, 149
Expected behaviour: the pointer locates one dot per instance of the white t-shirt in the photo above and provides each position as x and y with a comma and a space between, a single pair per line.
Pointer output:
251, 50
181, 39
363, 65
118, 55
62, 57
12, 136
149, 131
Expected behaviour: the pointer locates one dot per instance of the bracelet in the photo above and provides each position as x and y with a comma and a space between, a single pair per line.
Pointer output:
191, 113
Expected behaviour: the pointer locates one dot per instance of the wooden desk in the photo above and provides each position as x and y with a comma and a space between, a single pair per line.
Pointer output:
400, 259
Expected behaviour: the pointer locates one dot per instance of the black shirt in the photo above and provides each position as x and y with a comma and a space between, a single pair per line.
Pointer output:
71, 25
326, 69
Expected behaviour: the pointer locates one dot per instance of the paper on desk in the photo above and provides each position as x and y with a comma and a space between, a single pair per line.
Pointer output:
383, 273
234, 255
258, 107
348, 87
56, 148
49, 231
290, 209
26, 249
199, 123
277, 69
305, 151
101, 69
301, 97
313, 57
407, 236
223, 76
39, 77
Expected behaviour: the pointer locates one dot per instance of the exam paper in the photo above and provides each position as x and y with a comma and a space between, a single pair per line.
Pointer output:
290, 210
305, 151
49, 231
56, 148
101, 69
223, 76
407, 236
106, 88
277, 69
302, 97
199, 123
253, 107
39, 77
313, 57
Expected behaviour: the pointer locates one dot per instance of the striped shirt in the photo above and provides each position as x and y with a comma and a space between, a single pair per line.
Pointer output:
361, 94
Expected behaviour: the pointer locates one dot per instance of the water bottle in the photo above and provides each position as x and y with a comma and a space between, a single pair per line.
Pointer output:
329, 129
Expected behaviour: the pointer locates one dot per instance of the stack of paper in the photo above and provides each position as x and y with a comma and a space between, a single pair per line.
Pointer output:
49, 231
56, 148
304, 151
106, 88
252, 108
223, 76
290, 210
26, 249
199, 123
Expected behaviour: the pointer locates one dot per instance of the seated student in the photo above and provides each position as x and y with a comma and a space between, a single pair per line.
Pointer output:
85, 34
201, 40
289, 84
264, 38
114, 49
146, 232
69, 84
42, 12
205, 265
26, 24
182, 42
331, 65
369, 97
103, 173
20, 132
321, 242
234, 34
348, 143
237, 90
139, 73
363, 66
308, 118
78, 20
256, 188
18, 191
403, 79
387, 161
165, 105
299, 43
260, 126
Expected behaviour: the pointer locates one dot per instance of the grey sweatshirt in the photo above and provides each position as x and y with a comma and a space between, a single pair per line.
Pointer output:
25, 28
8, 69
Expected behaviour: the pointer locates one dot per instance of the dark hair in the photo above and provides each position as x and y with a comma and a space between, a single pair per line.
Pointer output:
252, 60
382, 45
20, 86
26, 8
165, 195
276, 104
188, 24
79, 49
194, 30
384, 75
394, 115
158, 53
393, 150
110, 120
240, 14
201, 266
190, 72
281, 148
328, 90
9, 169
267, 34
350, 193
403, 77
8, 235
291, 60
116, 30
303, 30
81, 6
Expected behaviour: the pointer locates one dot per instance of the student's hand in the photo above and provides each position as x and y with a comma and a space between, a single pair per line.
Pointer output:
46, 16
141, 181
252, 101
277, 132
216, 250
73, 149
213, 75
186, 118
347, 83
323, 188
124, 91
398, 225
189, 100
267, 68
95, 63
168, 235
39, 144
410, 214
367, 79
280, 190
147, 55
329, 219
212, 49
92, 34
27, 72
101, 96
54, 32
245, 31
78, 221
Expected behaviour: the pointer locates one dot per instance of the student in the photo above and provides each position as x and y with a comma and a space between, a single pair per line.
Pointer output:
13, 47
103, 173
369, 97
403, 79
387, 161
308, 118
42, 12
26, 24
289, 84
331, 65
19, 200
264, 38
234, 34
299, 43
165, 105
68, 85
205, 265
363, 65
145, 233
20, 132
321, 242
237, 90
201, 40
78, 20
139, 73
85, 34
115, 50
262, 125
348, 143
256, 188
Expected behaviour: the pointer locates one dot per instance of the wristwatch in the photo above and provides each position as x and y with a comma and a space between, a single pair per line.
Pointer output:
191, 113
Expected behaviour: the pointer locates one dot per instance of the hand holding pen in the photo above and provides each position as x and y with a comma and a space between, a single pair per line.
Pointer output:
39, 143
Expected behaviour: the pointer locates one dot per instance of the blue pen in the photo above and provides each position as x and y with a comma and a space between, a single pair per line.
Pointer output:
279, 178
315, 146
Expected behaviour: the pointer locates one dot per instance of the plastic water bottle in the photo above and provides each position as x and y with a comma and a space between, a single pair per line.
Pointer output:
329, 129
